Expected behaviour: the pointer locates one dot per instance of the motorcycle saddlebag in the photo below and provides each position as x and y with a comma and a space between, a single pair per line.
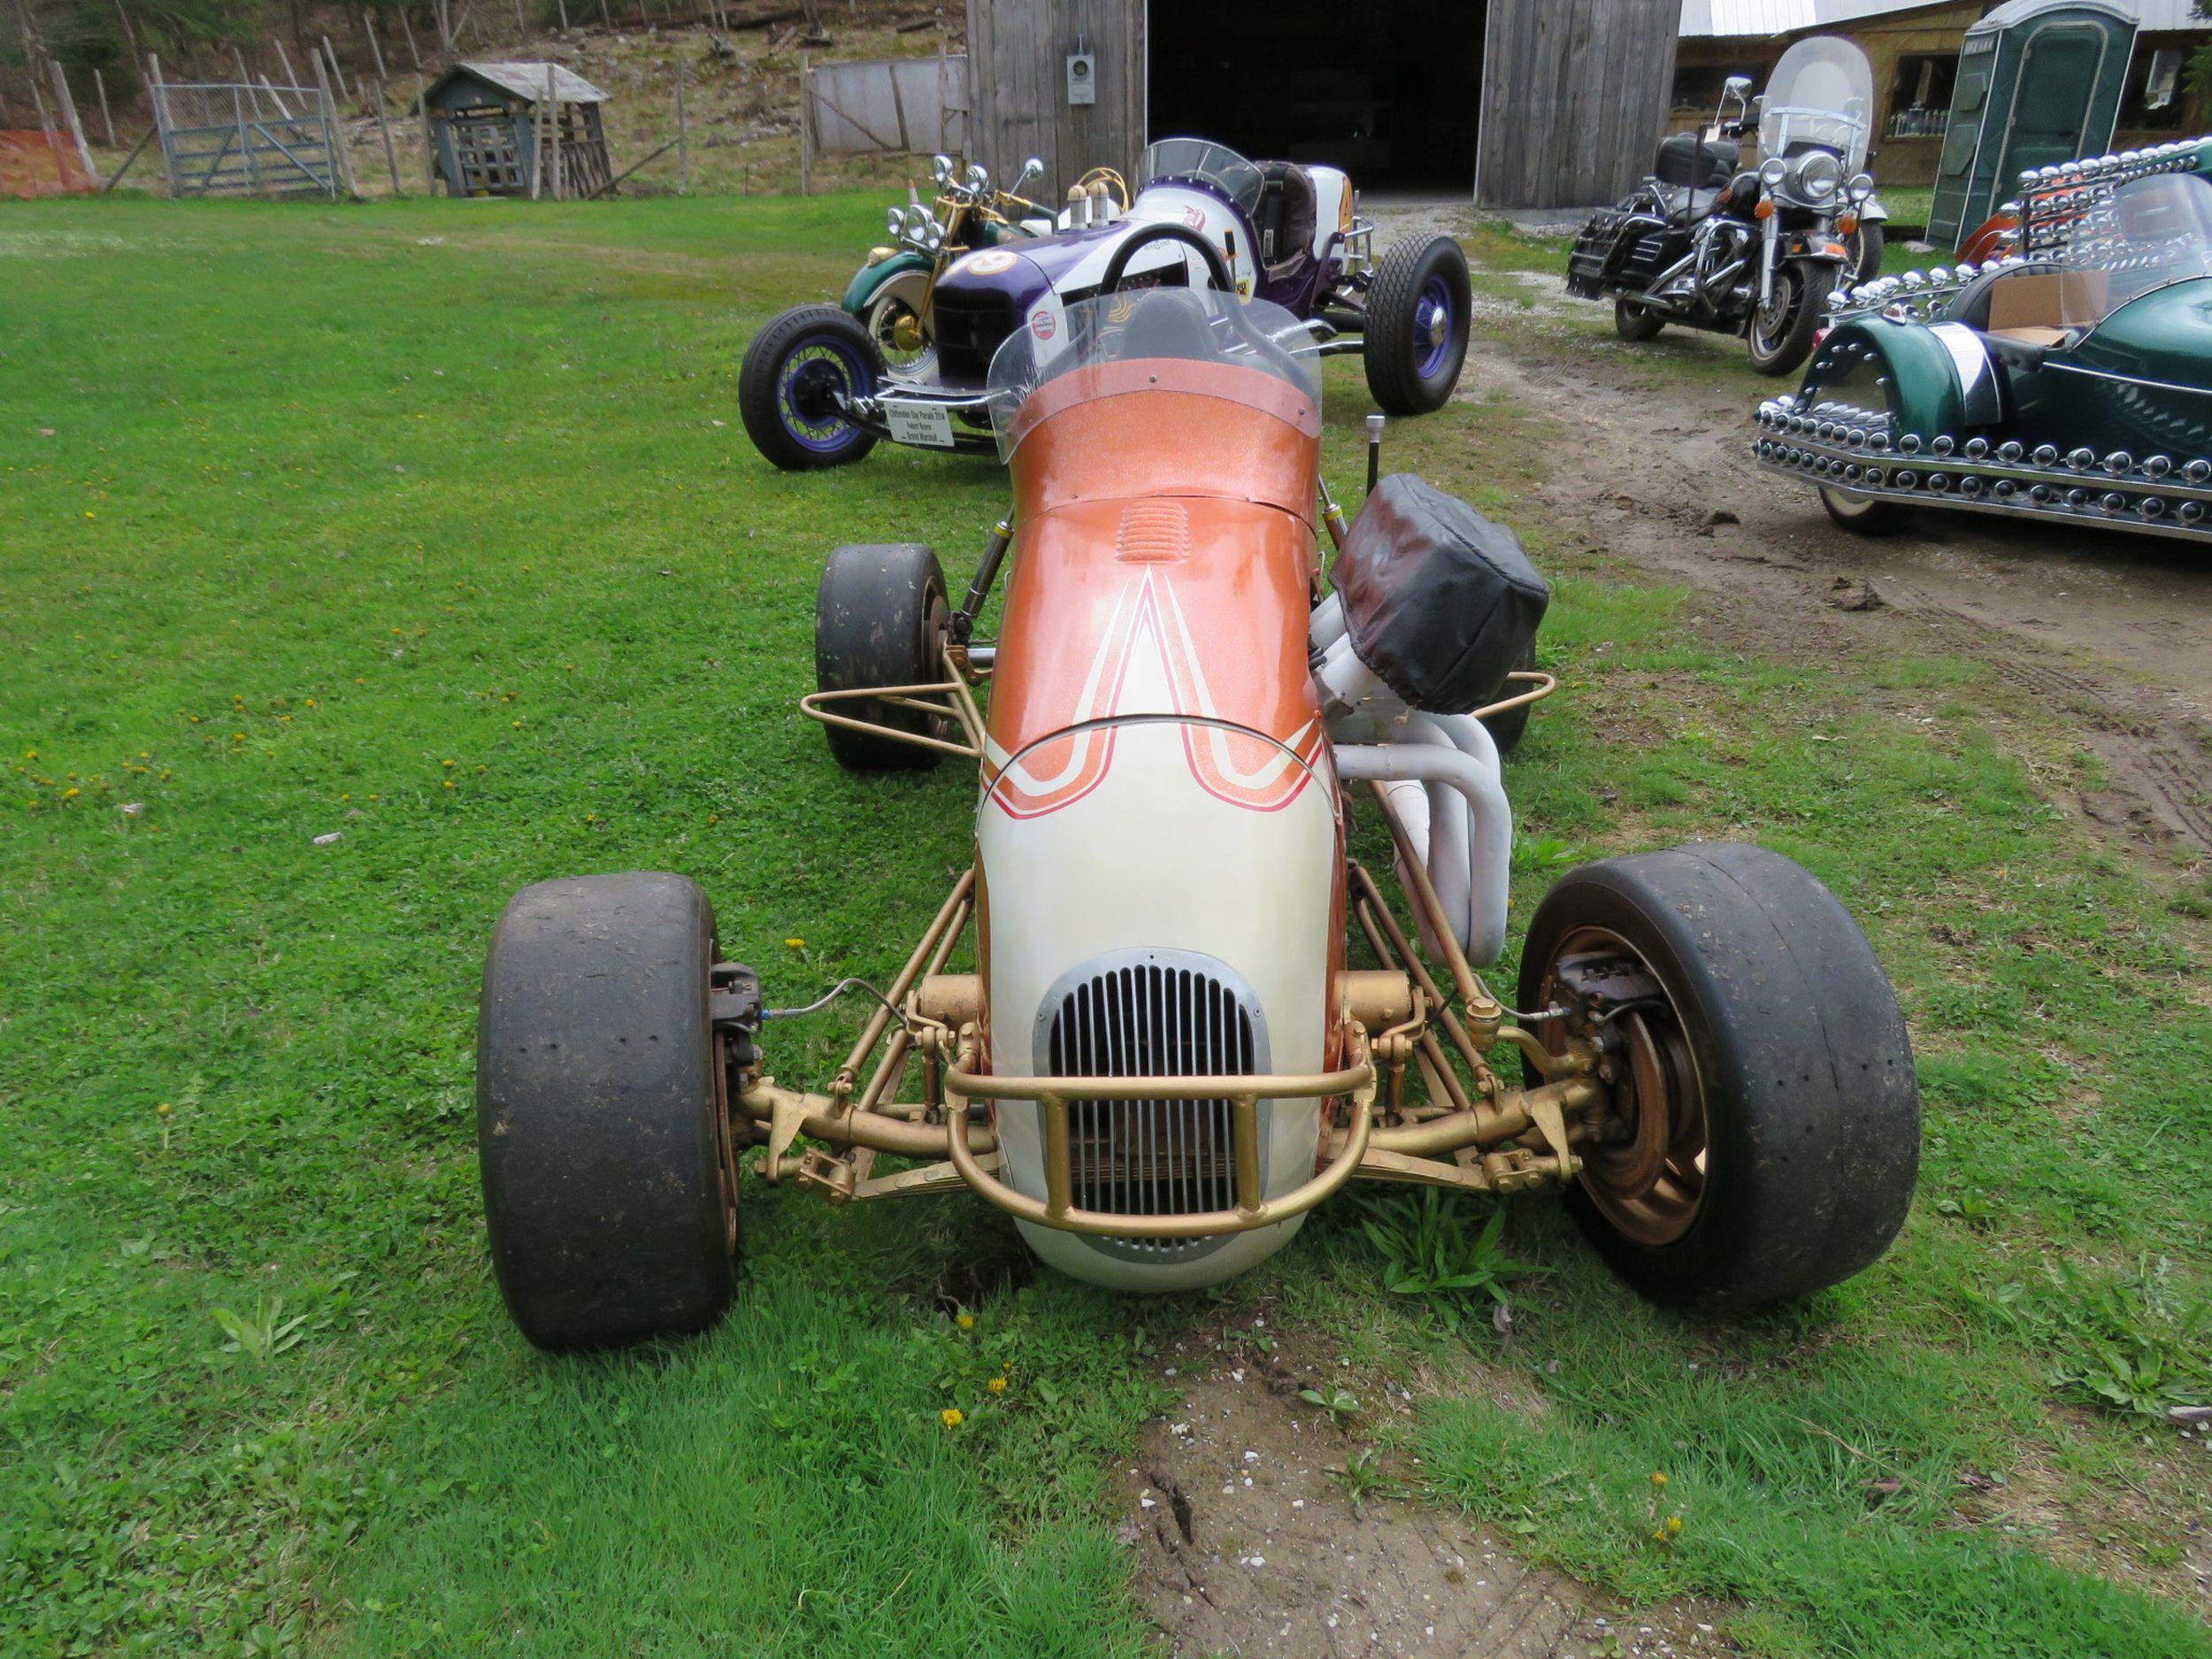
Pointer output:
1438, 600
1587, 265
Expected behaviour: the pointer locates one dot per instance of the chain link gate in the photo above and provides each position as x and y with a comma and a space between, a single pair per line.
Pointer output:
239, 139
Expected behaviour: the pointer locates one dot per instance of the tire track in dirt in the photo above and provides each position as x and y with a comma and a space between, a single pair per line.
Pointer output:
1662, 476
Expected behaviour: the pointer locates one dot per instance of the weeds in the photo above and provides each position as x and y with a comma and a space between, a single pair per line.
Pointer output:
1428, 1250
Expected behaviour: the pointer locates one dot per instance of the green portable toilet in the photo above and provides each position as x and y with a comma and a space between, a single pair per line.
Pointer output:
2038, 81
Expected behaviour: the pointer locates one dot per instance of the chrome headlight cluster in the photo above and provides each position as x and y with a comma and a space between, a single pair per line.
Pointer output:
1814, 179
913, 227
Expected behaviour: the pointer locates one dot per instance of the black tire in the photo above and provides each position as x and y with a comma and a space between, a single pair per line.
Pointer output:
1867, 245
1862, 515
881, 619
1411, 369
1782, 345
784, 401
610, 1192
1505, 729
1635, 323
1779, 1038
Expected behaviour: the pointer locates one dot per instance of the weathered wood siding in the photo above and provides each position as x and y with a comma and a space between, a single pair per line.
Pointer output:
1574, 94
1017, 52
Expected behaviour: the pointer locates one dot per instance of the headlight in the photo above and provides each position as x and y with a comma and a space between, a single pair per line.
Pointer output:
1819, 176
895, 221
918, 224
1861, 187
1772, 171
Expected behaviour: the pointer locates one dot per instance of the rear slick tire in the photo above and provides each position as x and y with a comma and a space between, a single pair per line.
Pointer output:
610, 1190
1770, 1136
881, 618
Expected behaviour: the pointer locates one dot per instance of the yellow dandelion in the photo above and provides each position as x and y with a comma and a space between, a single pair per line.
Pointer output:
795, 944
965, 1321
195, 719
951, 1416
69, 792
1674, 1526
517, 725
1658, 1480
997, 1384
449, 783
447, 765
1006, 1364
30, 754
163, 1110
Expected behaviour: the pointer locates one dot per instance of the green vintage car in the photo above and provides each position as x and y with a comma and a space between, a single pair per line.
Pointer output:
2071, 379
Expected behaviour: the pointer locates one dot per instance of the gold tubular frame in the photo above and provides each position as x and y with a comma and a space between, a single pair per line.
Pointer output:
1466, 1129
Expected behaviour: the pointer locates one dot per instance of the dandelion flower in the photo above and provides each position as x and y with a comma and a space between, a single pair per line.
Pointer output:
1658, 1480
997, 1384
1674, 1526
517, 725
951, 1416
449, 783
69, 793
162, 1110
965, 1321
795, 944
447, 765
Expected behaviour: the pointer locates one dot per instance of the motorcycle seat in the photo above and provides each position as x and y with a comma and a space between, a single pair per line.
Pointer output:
1684, 204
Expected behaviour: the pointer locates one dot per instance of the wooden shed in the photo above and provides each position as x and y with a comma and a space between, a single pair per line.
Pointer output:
528, 129
1511, 104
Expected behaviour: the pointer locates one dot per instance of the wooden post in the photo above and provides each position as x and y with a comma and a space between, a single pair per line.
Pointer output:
563, 4
806, 130
384, 128
683, 131
376, 52
413, 50
429, 138
107, 118
238, 58
333, 138
69, 114
553, 119
522, 24
604, 17
161, 124
291, 75
276, 98
336, 74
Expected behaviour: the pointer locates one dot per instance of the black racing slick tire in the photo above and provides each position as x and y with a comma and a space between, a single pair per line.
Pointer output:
1765, 1135
881, 618
610, 1192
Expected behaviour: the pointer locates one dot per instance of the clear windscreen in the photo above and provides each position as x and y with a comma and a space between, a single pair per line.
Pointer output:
2149, 232
1173, 159
1133, 326
1822, 92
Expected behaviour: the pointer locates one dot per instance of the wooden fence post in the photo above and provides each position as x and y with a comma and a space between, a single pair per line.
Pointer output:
69, 114
336, 74
553, 119
333, 138
376, 50
107, 118
160, 96
683, 131
806, 129
413, 50
384, 128
429, 137
291, 75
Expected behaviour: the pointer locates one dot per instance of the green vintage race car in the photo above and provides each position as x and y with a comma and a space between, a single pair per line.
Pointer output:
2069, 379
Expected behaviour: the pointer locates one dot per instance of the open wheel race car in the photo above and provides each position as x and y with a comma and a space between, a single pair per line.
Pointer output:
819, 386
2070, 381
1167, 1011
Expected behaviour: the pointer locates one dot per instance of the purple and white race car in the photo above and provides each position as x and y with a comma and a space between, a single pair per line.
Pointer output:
815, 390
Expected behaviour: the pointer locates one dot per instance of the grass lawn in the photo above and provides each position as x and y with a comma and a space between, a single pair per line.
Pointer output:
431, 526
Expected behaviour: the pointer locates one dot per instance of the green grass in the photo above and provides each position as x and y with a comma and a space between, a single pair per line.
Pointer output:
416, 524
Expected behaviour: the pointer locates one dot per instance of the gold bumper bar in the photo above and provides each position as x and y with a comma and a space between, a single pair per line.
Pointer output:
1254, 1208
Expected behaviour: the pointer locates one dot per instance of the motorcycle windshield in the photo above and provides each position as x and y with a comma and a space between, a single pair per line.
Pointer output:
2148, 233
1821, 93
1114, 333
1184, 160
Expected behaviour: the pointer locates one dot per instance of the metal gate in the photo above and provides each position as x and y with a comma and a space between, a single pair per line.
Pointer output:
238, 139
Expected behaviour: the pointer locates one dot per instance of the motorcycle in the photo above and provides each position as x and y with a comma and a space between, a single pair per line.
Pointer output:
1708, 243
891, 293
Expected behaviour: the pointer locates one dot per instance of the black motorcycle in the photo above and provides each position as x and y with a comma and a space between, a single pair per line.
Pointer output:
1708, 243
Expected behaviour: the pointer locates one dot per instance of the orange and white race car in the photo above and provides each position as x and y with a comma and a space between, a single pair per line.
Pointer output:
1167, 1011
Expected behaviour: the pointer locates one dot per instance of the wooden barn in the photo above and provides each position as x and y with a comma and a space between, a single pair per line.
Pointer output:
1514, 103
517, 129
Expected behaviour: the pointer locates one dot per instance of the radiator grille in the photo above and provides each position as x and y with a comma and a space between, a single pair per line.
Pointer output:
1152, 1157
970, 326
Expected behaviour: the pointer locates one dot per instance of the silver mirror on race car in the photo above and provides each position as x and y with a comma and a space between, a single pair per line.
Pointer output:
1735, 86
1031, 169
941, 169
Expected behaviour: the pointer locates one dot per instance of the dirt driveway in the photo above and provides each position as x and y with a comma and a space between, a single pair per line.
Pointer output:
2117, 627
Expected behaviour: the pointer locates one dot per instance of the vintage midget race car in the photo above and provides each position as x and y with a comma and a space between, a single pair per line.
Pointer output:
819, 386
2071, 379
1167, 1011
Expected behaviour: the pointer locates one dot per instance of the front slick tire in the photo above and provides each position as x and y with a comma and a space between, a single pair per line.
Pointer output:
1418, 311
1769, 1136
609, 1189
795, 371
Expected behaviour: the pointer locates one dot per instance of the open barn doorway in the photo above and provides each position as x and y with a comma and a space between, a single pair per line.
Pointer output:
1390, 91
